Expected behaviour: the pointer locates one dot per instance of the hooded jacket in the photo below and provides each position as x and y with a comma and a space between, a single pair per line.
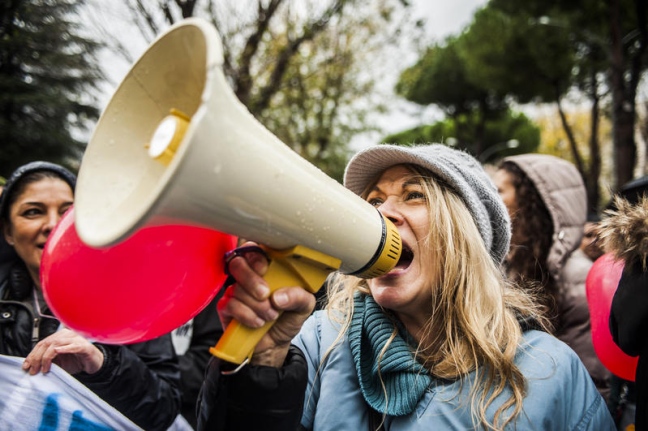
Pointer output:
563, 192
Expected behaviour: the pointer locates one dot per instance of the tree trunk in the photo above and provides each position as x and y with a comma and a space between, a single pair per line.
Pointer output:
594, 171
624, 89
622, 125
480, 128
578, 161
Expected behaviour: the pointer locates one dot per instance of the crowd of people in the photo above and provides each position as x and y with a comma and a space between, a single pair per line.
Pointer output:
482, 324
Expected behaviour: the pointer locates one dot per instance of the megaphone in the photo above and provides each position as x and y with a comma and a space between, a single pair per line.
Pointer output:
175, 146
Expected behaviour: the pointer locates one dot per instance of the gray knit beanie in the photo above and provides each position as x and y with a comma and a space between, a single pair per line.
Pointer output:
462, 172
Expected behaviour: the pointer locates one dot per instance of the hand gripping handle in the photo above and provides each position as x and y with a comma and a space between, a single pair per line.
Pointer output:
296, 266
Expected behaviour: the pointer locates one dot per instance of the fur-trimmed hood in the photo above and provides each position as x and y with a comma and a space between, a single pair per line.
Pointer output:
623, 232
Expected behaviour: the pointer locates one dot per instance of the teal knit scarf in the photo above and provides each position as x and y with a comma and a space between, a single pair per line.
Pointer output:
404, 378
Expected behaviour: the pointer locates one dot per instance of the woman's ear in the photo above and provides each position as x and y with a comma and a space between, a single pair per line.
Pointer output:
6, 232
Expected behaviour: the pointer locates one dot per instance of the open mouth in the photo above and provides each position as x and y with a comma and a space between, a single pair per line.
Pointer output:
406, 257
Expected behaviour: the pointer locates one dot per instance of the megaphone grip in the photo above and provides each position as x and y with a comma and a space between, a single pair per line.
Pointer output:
297, 266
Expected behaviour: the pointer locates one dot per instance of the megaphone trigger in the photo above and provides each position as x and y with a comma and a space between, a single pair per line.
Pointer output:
296, 266
240, 252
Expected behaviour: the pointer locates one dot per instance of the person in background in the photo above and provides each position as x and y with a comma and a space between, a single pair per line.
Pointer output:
442, 341
623, 233
589, 244
140, 380
547, 201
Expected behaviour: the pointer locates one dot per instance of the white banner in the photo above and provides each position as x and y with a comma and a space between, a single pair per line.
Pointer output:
54, 401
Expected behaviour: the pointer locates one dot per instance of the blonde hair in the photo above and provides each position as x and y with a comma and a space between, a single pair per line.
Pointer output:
473, 325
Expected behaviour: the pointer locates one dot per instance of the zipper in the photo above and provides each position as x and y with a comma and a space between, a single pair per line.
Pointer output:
35, 331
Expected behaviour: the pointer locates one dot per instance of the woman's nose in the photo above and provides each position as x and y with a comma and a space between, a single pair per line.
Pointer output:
389, 208
51, 221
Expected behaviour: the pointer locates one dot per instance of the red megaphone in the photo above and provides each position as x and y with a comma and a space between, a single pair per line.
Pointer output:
139, 289
601, 283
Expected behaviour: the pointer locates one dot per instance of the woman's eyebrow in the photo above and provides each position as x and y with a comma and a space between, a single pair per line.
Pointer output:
36, 203
409, 182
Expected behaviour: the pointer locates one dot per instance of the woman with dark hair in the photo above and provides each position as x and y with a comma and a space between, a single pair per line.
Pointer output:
531, 236
139, 380
547, 202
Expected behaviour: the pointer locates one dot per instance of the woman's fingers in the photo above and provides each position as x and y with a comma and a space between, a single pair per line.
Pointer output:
40, 358
294, 299
49, 355
296, 305
248, 279
247, 301
67, 349
247, 311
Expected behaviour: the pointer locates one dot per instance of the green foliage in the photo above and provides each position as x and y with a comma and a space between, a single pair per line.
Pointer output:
527, 62
46, 70
440, 78
438, 132
509, 127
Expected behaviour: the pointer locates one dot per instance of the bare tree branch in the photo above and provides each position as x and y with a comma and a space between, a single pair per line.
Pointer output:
166, 10
283, 58
578, 161
143, 12
186, 7
243, 80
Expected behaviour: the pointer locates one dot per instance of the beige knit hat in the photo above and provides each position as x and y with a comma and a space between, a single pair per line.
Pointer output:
462, 172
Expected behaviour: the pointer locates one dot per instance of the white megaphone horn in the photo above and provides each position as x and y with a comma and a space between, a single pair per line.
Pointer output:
175, 146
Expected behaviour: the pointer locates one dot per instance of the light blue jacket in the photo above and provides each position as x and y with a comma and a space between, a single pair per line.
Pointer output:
561, 395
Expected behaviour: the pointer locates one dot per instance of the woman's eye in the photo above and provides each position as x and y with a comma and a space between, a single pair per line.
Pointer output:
415, 195
31, 212
375, 202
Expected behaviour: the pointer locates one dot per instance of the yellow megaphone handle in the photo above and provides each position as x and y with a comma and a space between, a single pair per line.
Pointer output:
296, 266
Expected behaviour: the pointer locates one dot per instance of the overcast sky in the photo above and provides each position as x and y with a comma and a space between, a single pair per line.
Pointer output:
442, 17
445, 17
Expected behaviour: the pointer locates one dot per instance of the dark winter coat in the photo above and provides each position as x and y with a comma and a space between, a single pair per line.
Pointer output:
140, 380
204, 332
629, 328
254, 398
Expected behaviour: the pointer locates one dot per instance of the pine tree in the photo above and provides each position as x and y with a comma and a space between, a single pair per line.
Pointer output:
47, 76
